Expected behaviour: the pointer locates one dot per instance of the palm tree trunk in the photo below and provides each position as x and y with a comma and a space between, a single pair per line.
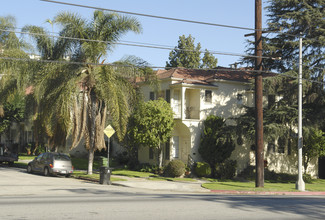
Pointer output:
90, 161
92, 131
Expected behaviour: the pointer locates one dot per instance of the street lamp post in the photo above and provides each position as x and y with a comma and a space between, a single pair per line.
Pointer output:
300, 184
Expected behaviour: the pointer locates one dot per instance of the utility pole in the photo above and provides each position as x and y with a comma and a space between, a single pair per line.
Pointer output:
259, 151
300, 184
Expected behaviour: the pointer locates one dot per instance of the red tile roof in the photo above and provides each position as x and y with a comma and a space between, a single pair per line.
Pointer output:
206, 76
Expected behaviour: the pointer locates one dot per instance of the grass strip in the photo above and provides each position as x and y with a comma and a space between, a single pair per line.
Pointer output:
317, 185
93, 177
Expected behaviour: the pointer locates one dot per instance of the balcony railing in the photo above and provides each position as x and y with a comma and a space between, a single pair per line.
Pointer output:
192, 112
177, 110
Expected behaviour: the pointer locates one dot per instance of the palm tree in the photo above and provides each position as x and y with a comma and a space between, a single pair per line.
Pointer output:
81, 97
12, 80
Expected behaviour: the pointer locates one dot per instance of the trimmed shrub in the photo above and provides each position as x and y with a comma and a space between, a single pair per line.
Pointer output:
202, 169
227, 170
145, 167
307, 178
174, 168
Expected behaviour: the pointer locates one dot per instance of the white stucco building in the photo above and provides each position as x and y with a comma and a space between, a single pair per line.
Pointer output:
196, 94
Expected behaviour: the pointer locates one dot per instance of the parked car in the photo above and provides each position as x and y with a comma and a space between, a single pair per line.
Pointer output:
51, 163
8, 154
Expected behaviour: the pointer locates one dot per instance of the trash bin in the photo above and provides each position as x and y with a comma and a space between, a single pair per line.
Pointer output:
102, 161
105, 176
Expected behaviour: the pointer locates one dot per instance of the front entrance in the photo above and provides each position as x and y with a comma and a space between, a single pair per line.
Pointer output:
321, 167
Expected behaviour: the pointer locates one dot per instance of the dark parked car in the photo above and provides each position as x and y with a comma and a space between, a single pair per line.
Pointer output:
51, 164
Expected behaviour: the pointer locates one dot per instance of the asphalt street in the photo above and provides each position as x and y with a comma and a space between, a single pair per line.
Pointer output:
30, 196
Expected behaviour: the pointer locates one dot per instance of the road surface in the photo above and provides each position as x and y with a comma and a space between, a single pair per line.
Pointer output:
29, 196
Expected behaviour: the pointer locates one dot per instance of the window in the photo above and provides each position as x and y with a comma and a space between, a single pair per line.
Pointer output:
167, 150
175, 147
150, 153
239, 99
271, 147
168, 95
281, 145
152, 96
208, 96
271, 101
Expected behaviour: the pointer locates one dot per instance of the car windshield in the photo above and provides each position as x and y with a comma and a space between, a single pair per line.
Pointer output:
62, 157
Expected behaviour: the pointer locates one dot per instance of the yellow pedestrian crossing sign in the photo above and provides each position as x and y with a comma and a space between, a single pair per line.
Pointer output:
109, 131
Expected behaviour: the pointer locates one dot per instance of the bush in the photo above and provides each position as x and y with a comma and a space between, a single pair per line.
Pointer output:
227, 170
248, 173
273, 177
175, 168
202, 169
145, 167
123, 158
307, 178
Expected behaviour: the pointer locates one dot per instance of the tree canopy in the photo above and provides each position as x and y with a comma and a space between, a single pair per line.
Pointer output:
151, 124
314, 146
216, 142
187, 55
289, 20
81, 98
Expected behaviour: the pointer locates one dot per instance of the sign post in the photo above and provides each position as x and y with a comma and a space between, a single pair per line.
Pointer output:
109, 131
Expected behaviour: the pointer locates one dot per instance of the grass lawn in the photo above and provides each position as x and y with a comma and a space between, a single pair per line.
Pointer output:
130, 173
94, 176
160, 178
82, 164
317, 185
26, 157
149, 176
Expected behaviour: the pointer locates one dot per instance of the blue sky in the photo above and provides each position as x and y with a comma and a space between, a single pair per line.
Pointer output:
157, 31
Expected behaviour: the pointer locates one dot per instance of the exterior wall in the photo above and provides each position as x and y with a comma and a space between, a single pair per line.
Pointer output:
228, 98
20, 134
188, 124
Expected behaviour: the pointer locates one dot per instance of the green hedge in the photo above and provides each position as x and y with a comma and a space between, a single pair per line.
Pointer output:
174, 168
202, 169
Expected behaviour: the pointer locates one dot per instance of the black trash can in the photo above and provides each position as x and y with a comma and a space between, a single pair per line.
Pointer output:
105, 176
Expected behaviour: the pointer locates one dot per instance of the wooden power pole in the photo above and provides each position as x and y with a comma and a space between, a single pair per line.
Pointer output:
259, 155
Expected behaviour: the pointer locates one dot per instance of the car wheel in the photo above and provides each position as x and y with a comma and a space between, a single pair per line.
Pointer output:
29, 169
46, 171
68, 175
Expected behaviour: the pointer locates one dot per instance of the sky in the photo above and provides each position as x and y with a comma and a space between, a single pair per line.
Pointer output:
157, 31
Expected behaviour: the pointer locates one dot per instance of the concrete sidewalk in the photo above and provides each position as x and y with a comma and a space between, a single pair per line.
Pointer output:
193, 187
143, 183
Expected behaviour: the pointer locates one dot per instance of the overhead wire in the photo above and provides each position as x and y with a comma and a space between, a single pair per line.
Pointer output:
138, 44
147, 45
175, 19
149, 15
184, 20
156, 67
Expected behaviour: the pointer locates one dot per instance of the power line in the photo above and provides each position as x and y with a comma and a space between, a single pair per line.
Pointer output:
152, 46
151, 16
154, 67
176, 19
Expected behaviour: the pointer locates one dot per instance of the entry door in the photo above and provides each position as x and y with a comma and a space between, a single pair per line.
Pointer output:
186, 147
175, 148
321, 167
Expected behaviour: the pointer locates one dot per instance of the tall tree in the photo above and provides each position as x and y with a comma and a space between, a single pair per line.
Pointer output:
91, 92
291, 19
152, 124
12, 79
187, 55
216, 142
314, 146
